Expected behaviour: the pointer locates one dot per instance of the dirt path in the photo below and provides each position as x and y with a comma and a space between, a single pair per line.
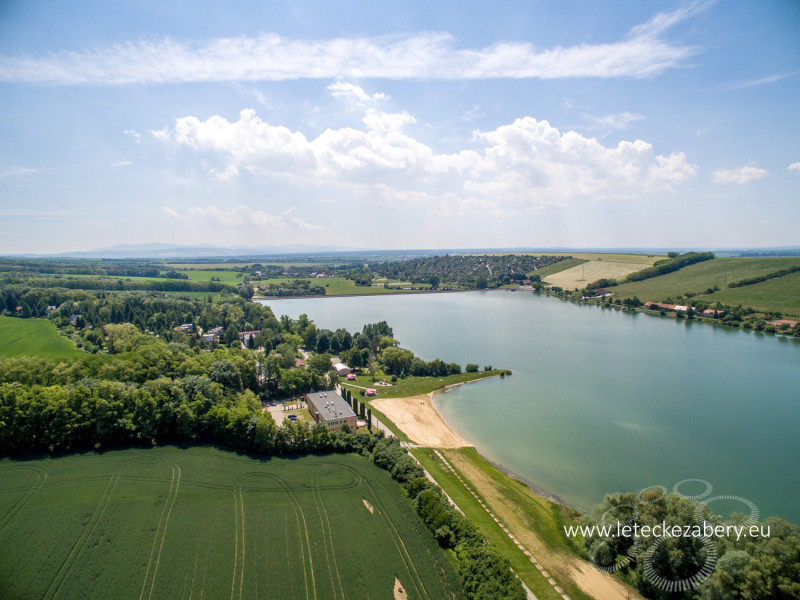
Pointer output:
562, 566
420, 421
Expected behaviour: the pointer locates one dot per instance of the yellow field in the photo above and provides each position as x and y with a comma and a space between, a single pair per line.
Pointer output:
600, 266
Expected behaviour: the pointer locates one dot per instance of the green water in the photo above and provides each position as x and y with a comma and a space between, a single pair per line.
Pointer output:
602, 400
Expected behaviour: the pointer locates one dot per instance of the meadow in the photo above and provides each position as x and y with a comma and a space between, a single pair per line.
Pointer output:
202, 522
33, 337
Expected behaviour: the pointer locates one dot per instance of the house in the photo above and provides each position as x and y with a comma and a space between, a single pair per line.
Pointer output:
184, 327
341, 369
247, 338
710, 312
208, 337
330, 409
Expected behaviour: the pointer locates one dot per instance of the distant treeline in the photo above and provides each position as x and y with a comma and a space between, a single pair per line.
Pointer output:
102, 283
773, 275
112, 268
296, 287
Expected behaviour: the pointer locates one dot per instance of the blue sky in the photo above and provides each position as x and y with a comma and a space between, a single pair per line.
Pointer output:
399, 125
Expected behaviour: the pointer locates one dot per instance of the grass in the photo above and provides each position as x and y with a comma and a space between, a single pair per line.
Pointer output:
33, 337
340, 286
780, 294
524, 512
205, 275
777, 294
413, 386
200, 522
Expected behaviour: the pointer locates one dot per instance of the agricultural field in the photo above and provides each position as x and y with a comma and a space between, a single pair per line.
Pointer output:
777, 294
33, 337
167, 523
227, 277
599, 266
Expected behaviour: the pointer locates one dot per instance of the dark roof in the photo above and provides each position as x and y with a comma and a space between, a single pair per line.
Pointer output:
329, 404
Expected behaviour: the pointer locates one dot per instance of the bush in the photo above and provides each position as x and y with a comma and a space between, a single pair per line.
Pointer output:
471, 368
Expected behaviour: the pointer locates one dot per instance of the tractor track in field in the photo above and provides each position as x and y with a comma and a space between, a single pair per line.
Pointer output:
41, 477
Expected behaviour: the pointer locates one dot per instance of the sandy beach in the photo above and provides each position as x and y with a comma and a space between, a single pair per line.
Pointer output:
420, 421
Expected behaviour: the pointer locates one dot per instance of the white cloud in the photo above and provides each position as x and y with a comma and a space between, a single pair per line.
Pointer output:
762, 80
122, 163
137, 137
527, 164
245, 215
230, 173
270, 57
13, 171
795, 167
739, 176
343, 89
613, 122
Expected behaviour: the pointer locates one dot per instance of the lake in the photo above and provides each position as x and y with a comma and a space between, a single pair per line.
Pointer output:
603, 400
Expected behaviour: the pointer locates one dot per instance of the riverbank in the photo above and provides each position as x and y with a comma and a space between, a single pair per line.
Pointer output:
370, 294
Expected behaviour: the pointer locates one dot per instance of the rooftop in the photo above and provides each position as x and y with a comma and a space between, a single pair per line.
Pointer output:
330, 405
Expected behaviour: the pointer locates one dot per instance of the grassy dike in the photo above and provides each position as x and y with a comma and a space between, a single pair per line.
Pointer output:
534, 520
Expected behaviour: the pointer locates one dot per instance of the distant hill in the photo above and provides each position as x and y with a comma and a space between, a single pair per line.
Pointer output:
203, 251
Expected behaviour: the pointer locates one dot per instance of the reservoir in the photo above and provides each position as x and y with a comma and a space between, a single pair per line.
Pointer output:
603, 400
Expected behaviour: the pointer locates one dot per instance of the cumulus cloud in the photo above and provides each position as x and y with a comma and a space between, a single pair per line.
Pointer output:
527, 164
271, 57
739, 176
245, 215
795, 167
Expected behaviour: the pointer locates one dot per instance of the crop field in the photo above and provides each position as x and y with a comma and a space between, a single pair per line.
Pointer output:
777, 294
33, 337
228, 277
599, 266
204, 523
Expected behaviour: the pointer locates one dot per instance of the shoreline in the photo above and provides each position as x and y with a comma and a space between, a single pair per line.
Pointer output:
420, 420
374, 294
536, 489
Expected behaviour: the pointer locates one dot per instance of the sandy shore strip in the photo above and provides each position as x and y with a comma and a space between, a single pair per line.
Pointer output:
420, 421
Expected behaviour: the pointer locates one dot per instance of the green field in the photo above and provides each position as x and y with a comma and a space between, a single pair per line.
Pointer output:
777, 294
412, 386
228, 277
340, 286
33, 337
204, 523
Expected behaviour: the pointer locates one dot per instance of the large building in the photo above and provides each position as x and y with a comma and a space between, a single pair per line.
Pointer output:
329, 408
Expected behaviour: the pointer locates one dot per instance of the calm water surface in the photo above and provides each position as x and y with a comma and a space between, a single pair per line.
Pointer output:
602, 400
